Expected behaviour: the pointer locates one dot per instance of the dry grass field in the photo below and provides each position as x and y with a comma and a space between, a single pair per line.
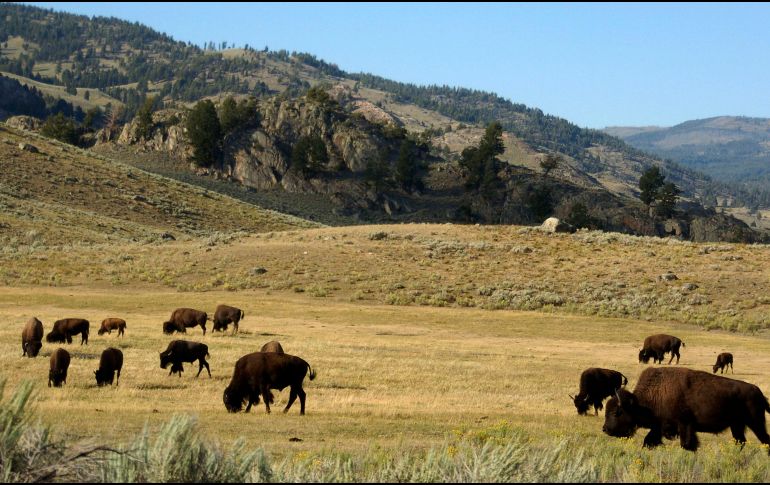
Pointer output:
417, 332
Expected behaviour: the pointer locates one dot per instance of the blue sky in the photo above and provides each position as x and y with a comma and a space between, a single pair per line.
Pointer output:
594, 64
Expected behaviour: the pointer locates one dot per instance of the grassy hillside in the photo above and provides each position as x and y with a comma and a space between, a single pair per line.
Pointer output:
64, 195
718, 286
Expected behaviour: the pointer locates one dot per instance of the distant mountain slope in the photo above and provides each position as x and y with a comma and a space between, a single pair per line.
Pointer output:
729, 148
733, 149
56, 194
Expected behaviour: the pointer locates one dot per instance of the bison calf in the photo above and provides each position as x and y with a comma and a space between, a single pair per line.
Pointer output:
272, 346
256, 374
64, 329
182, 318
179, 351
60, 362
110, 362
32, 337
595, 386
225, 315
723, 360
681, 402
110, 324
656, 347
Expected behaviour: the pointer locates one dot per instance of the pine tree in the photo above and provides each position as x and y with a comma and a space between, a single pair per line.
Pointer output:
205, 133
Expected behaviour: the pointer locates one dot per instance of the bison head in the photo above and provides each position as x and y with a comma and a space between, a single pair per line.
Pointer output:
55, 337
644, 356
233, 399
581, 404
165, 359
33, 348
620, 416
102, 331
104, 377
57, 377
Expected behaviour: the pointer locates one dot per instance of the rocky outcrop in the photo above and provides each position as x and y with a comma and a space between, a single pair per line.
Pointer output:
23, 122
167, 134
554, 225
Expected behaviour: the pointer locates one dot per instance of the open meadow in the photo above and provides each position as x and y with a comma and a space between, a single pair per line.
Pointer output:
413, 336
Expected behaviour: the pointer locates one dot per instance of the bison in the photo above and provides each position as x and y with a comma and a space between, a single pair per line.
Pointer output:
225, 315
257, 373
111, 361
272, 346
60, 362
723, 360
179, 351
656, 346
596, 385
32, 338
681, 402
110, 324
182, 318
64, 329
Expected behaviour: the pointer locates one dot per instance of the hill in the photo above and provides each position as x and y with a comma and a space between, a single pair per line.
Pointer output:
128, 61
732, 149
53, 194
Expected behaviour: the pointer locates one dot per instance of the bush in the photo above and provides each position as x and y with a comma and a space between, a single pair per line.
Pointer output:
60, 128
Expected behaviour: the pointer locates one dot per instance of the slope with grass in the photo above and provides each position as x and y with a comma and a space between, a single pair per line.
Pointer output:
63, 195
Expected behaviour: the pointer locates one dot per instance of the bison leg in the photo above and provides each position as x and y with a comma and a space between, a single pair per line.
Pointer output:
203, 326
202, 363
739, 433
292, 398
654, 438
688, 438
301, 394
266, 397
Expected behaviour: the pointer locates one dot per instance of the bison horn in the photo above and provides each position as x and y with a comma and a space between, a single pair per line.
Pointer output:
571, 396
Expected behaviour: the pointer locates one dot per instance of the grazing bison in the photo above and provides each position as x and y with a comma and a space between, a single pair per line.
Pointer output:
596, 385
32, 338
272, 346
255, 374
723, 360
60, 362
656, 346
183, 318
679, 401
64, 329
179, 351
111, 361
110, 324
225, 315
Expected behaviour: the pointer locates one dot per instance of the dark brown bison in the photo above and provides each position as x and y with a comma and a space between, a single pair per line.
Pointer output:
723, 360
110, 362
179, 351
256, 374
225, 315
66, 328
110, 324
596, 385
182, 318
656, 346
680, 402
32, 338
60, 362
272, 346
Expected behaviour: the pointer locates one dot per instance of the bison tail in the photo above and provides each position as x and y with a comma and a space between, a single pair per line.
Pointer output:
243, 314
625, 379
312, 372
683, 345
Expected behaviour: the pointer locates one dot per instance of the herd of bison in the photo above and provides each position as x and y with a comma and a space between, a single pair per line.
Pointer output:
669, 401
254, 376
